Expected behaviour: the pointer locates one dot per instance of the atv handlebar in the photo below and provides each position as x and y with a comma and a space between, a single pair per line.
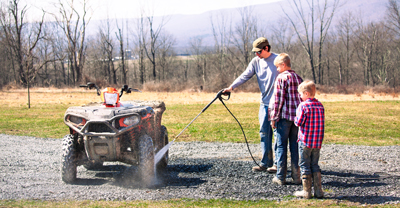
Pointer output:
91, 85
125, 88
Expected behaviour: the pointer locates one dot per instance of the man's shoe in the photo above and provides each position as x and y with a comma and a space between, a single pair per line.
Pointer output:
272, 169
277, 181
259, 168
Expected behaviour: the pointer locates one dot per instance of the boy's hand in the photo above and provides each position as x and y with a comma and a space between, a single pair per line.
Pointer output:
273, 124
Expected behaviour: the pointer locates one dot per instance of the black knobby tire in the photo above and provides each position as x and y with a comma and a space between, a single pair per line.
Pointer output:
146, 159
162, 165
69, 156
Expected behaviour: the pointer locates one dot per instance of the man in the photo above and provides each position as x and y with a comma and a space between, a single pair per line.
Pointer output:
263, 67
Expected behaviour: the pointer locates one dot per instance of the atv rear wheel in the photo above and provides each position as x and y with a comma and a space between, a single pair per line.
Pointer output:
146, 159
69, 156
162, 165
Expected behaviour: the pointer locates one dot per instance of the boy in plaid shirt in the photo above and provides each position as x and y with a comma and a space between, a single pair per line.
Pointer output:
310, 118
283, 112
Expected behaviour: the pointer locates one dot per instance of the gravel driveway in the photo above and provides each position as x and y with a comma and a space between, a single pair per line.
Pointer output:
30, 169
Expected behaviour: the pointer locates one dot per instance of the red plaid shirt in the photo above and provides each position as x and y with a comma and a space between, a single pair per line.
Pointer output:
286, 98
310, 118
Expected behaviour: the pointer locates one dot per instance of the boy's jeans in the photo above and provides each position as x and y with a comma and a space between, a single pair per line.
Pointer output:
286, 131
266, 137
308, 159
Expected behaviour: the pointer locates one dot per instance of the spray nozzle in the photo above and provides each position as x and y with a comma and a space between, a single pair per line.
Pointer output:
221, 93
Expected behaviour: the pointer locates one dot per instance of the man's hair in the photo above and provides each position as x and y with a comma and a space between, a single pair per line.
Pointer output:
269, 48
282, 58
307, 86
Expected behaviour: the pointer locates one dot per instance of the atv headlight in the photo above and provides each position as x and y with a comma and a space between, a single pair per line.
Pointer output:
129, 121
110, 98
78, 121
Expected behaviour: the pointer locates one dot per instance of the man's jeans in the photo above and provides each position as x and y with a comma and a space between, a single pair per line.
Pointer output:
286, 131
309, 158
266, 137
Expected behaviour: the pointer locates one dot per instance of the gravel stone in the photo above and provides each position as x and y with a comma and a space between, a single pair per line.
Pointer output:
30, 169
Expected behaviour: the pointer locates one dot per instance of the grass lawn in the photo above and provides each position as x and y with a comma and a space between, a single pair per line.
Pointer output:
347, 122
174, 203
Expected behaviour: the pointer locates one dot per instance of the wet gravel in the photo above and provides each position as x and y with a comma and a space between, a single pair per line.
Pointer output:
30, 169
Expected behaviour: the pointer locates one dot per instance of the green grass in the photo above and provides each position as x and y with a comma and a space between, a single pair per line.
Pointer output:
186, 203
360, 123
43, 120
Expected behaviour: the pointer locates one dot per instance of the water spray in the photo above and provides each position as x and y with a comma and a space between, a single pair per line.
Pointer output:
219, 96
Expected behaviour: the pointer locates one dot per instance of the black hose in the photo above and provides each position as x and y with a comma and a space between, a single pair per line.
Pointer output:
244, 135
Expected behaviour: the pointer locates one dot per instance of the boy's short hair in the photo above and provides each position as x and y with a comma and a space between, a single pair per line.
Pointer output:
307, 86
282, 58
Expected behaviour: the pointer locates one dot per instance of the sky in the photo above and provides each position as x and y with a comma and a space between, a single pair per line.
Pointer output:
131, 8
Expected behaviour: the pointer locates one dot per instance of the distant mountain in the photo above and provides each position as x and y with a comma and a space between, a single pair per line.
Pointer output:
185, 27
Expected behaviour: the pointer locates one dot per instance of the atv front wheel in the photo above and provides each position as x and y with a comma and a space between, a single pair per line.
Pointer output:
146, 159
69, 156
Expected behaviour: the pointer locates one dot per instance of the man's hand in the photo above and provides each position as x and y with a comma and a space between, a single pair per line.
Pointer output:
227, 90
273, 124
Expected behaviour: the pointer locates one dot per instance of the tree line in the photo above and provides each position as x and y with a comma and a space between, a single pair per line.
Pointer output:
329, 49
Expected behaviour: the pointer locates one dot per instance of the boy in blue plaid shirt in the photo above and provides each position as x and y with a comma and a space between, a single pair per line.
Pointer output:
310, 118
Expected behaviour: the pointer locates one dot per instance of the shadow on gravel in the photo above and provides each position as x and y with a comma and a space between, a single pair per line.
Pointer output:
128, 177
370, 186
349, 179
368, 199
110, 171
189, 168
171, 176
89, 181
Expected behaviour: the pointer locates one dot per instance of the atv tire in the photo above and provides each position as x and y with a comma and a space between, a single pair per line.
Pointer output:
162, 165
146, 159
69, 156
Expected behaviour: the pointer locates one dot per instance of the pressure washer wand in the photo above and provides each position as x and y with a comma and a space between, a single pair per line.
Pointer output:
219, 95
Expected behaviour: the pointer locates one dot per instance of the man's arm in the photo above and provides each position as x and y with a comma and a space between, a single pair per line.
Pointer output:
246, 75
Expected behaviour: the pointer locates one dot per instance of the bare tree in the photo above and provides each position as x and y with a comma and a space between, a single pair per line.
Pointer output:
243, 35
282, 34
345, 44
306, 31
220, 28
200, 58
167, 41
150, 45
107, 48
140, 34
22, 38
393, 22
74, 23
120, 38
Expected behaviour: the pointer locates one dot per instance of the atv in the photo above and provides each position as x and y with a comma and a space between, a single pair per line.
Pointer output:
110, 131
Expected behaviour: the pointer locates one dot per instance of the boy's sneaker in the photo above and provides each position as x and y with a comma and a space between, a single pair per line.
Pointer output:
272, 169
277, 181
259, 168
